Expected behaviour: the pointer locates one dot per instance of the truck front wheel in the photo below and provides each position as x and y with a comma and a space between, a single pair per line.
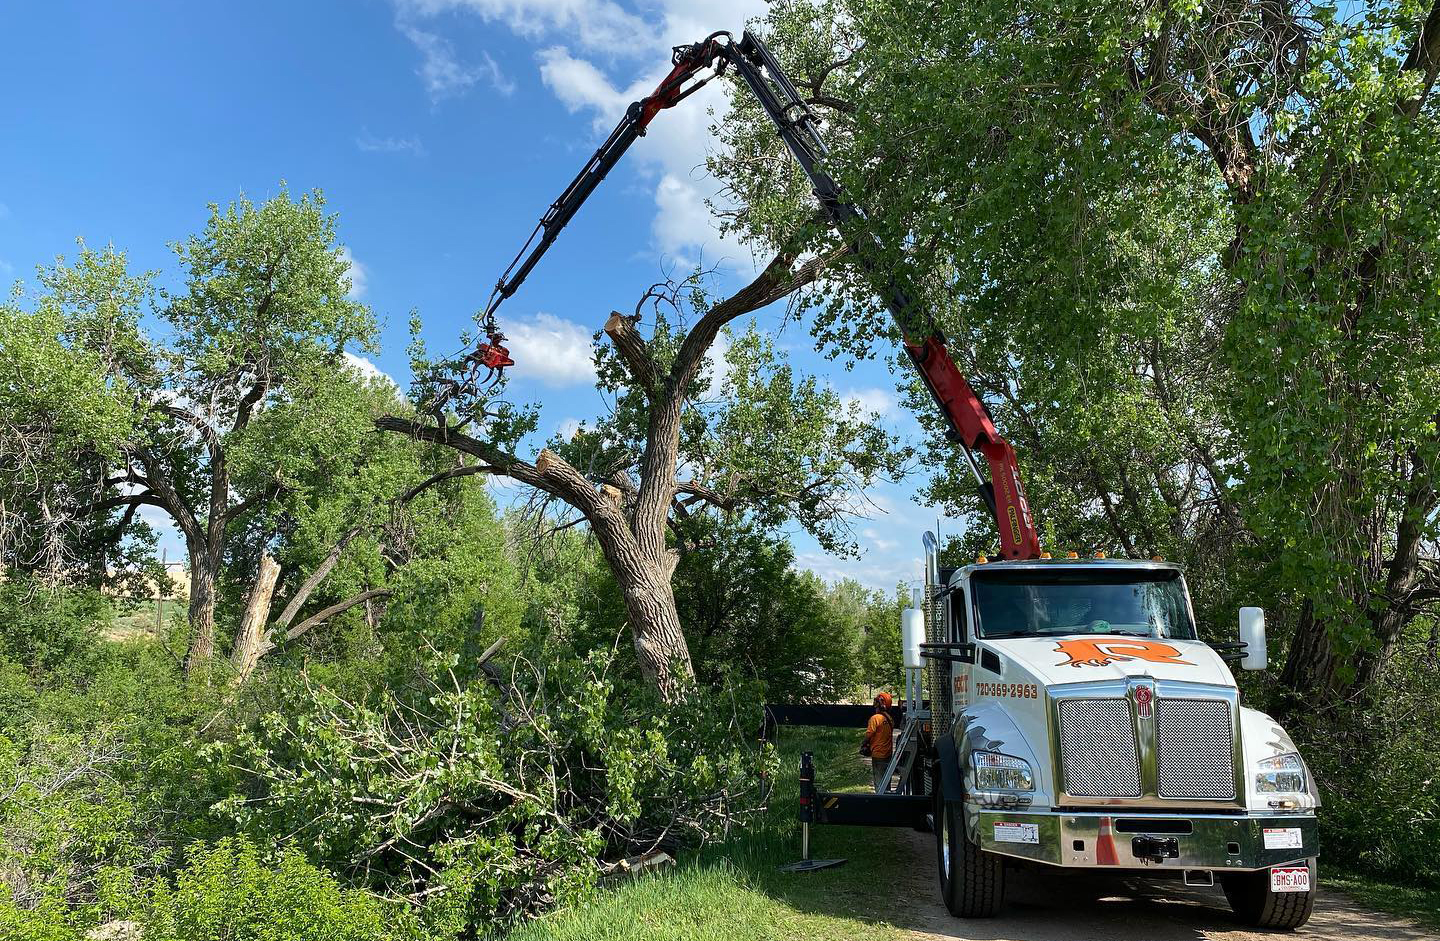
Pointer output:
972, 881
1255, 903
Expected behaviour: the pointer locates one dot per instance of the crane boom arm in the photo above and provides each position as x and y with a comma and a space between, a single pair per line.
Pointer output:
965, 413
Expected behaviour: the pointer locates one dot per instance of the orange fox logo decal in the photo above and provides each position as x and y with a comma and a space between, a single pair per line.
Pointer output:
1098, 651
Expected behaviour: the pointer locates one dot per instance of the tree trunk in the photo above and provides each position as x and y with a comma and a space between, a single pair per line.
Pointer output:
203, 574
250, 635
655, 629
1310, 667
654, 620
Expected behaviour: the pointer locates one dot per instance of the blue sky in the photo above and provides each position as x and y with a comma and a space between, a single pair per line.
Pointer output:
439, 131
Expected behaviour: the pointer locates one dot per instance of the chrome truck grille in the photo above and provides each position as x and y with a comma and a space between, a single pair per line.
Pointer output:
1193, 754
1097, 748
1186, 752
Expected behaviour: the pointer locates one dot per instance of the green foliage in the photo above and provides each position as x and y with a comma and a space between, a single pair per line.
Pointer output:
756, 441
73, 828
749, 613
1376, 769
228, 890
266, 290
1189, 264
44, 627
50, 921
491, 798
735, 892
878, 618
67, 400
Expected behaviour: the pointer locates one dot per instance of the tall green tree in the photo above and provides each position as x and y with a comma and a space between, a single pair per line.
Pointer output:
228, 405
750, 439
1188, 252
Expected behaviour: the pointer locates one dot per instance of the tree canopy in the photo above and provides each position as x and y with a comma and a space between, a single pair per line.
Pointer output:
1188, 252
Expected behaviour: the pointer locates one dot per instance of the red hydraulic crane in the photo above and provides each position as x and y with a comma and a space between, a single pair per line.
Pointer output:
969, 420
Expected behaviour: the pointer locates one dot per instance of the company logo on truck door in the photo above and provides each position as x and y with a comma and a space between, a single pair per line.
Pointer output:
1098, 651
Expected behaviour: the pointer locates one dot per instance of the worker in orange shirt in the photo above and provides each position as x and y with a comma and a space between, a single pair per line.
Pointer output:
879, 743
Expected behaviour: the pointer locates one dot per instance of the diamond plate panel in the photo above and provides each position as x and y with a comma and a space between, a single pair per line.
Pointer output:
1097, 748
1193, 748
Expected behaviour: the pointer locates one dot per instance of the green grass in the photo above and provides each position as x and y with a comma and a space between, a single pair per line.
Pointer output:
139, 620
733, 892
1422, 903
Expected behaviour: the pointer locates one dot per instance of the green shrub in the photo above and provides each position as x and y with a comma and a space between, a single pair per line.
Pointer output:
1375, 763
74, 829
227, 892
492, 799
50, 921
43, 628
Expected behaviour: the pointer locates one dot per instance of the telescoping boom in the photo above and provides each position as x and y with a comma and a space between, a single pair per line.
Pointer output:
969, 421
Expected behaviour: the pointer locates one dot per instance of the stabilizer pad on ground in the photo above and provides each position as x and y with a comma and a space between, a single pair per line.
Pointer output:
810, 865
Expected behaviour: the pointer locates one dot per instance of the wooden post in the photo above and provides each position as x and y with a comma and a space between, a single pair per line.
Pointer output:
160, 597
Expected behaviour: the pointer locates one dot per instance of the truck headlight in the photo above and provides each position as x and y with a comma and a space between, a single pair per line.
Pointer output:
995, 772
1283, 774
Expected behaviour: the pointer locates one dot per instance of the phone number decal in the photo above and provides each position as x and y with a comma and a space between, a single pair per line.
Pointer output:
1010, 690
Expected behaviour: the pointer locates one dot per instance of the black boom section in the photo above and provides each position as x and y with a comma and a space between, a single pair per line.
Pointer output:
871, 810
827, 714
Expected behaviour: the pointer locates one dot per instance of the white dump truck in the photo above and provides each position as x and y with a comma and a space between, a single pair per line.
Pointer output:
1088, 727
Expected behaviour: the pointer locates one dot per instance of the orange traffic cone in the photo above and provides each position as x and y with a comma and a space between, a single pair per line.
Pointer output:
1105, 845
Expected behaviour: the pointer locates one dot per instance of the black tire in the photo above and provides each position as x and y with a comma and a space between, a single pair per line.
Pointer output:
1253, 903
972, 881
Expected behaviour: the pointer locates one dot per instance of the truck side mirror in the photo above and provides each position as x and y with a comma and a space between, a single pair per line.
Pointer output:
1252, 635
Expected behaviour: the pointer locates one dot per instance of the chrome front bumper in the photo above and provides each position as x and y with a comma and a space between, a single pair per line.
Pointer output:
1100, 841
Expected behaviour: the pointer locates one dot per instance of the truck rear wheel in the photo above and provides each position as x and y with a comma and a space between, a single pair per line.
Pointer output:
972, 881
1255, 903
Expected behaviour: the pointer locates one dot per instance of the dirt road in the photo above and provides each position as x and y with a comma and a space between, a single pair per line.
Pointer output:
1080, 908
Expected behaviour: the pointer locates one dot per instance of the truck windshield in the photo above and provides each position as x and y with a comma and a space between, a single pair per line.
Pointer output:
1029, 604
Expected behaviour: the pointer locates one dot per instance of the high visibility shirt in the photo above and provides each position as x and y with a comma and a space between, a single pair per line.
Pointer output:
878, 734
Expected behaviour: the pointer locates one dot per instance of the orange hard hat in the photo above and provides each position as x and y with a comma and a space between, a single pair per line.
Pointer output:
883, 700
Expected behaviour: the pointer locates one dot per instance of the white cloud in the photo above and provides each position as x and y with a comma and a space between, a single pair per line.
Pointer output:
683, 224
442, 71
358, 274
717, 367
367, 369
389, 145
872, 400
580, 85
6, 269
879, 541
676, 145
597, 24
568, 428
550, 349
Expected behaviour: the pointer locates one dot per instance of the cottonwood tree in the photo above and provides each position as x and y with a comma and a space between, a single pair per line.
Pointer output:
743, 437
1191, 249
238, 418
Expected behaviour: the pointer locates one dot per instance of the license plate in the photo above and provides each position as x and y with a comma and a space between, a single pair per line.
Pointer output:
1290, 879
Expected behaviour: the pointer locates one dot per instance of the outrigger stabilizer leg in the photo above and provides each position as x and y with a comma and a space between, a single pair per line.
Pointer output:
807, 817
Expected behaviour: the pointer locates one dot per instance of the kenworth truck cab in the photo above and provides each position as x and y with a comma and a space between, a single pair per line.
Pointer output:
1090, 728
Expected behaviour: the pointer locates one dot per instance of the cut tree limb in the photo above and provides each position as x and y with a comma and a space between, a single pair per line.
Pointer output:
633, 350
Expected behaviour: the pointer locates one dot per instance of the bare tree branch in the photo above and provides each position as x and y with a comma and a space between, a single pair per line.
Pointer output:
325, 614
